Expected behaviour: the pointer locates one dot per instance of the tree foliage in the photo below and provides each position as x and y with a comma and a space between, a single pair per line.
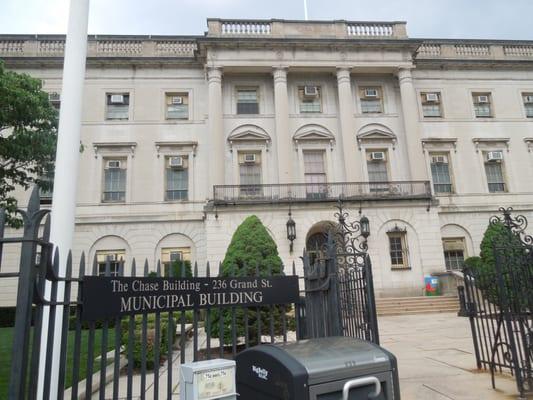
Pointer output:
28, 132
252, 252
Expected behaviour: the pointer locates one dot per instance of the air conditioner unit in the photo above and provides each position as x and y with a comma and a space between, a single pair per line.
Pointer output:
249, 158
494, 156
482, 99
528, 99
432, 97
377, 156
439, 160
54, 96
117, 99
177, 100
310, 91
175, 162
113, 164
371, 93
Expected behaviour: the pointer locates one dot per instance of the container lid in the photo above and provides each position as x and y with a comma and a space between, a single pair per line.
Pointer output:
334, 358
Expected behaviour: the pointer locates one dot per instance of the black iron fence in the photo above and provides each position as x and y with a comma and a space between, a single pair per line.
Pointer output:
133, 355
498, 299
313, 192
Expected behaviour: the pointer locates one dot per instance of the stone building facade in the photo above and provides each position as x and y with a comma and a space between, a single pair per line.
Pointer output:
186, 136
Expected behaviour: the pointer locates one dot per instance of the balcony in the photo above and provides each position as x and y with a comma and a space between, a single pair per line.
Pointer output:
318, 192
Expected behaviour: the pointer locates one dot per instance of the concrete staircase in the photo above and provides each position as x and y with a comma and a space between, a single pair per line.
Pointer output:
416, 305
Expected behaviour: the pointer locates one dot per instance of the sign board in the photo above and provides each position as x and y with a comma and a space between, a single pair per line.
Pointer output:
109, 297
208, 380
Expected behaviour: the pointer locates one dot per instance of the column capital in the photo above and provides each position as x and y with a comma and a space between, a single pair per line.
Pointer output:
343, 74
214, 74
405, 75
280, 74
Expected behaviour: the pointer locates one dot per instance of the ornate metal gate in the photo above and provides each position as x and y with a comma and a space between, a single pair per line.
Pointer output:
499, 303
339, 284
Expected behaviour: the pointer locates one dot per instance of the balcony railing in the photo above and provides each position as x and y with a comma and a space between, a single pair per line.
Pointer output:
317, 192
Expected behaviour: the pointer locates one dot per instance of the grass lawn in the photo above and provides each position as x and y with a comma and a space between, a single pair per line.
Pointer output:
6, 341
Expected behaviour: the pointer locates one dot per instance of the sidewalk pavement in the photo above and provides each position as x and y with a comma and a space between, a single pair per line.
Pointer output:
436, 359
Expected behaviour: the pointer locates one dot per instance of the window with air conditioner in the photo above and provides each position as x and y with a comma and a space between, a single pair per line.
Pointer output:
431, 104
114, 180
247, 101
177, 106
528, 104
177, 178
250, 174
111, 258
454, 253
55, 100
482, 105
440, 173
117, 106
371, 100
494, 171
175, 257
310, 99
378, 174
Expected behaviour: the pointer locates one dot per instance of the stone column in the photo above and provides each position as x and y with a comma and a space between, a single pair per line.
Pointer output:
283, 136
350, 157
217, 147
415, 154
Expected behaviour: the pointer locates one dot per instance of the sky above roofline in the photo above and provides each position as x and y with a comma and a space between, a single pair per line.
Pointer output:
465, 19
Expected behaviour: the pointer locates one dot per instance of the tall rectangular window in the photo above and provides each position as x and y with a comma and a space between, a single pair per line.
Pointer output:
46, 190
482, 104
117, 106
310, 99
247, 101
250, 173
113, 257
177, 178
371, 100
440, 172
528, 104
431, 104
315, 174
378, 175
55, 100
177, 105
494, 171
114, 180
398, 250
454, 253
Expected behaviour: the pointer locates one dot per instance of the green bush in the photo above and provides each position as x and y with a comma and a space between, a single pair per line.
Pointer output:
500, 241
177, 268
251, 249
150, 338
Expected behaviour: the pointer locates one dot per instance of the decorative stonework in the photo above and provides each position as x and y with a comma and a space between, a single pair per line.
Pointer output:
162, 147
249, 134
376, 134
122, 147
487, 142
439, 144
313, 133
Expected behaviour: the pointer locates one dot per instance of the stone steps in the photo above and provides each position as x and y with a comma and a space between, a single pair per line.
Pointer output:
416, 305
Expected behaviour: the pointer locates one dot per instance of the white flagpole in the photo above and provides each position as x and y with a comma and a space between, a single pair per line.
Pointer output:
305, 10
66, 170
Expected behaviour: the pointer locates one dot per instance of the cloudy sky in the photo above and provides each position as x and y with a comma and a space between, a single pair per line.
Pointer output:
491, 19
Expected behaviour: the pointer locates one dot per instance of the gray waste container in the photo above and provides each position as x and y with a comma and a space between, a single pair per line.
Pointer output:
317, 369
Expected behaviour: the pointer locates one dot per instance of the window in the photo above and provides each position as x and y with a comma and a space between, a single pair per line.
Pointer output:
494, 171
371, 100
46, 194
55, 100
113, 257
315, 174
431, 106
310, 99
250, 174
398, 248
528, 104
177, 178
247, 101
377, 170
114, 180
174, 255
177, 106
482, 104
117, 106
454, 253
440, 172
